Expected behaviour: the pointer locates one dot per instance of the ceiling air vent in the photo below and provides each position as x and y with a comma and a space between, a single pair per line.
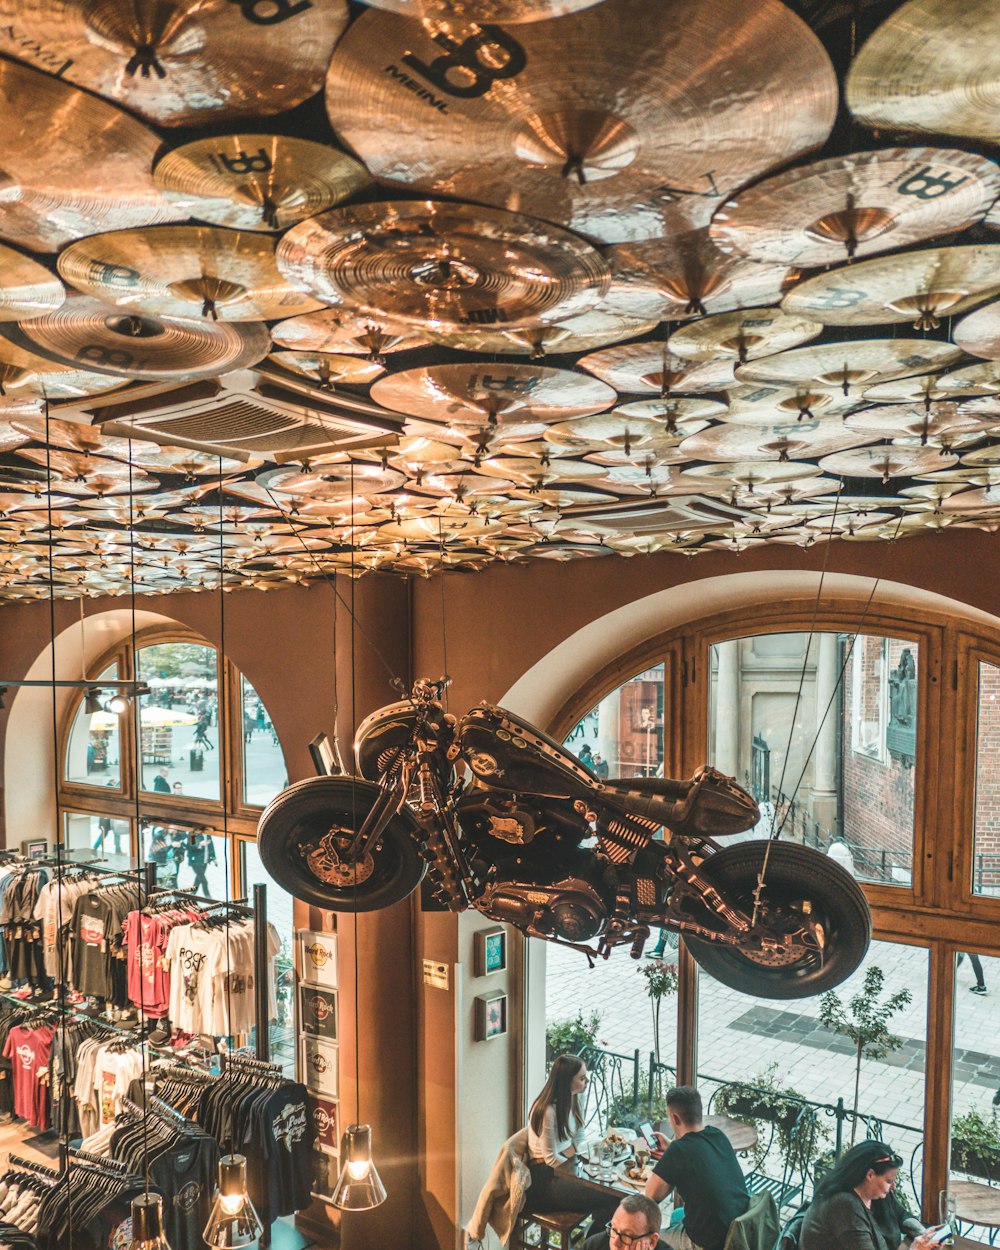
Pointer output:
652, 515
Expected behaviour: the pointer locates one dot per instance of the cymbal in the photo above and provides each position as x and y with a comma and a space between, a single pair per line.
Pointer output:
746, 476
189, 463
982, 379
484, 395
665, 453
979, 332
86, 331
931, 66
619, 429
332, 481
887, 462
11, 436
543, 121
580, 334
851, 365
674, 415
856, 205
988, 456
51, 195
942, 422
257, 181
27, 289
72, 436
342, 331
638, 367
188, 272
329, 369
750, 403
918, 287
508, 12
193, 61
443, 267
24, 374
78, 466
744, 334
782, 440
528, 471
693, 277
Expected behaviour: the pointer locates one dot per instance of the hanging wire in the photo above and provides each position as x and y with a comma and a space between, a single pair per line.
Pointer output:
444, 617
224, 783
354, 809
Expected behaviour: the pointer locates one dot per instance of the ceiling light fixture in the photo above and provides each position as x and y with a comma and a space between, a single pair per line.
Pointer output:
234, 1220
119, 704
147, 1223
359, 1186
92, 703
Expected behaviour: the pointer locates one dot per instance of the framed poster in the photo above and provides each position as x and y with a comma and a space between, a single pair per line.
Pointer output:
490, 951
326, 1118
325, 1171
318, 1011
320, 1070
35, 848
491, 1016
318, 958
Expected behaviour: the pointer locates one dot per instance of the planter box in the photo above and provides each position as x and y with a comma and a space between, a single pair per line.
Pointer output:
975, 1163
752, 1107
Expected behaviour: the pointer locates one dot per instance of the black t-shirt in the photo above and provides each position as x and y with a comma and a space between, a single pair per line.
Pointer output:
93, 929
186, 1175
702, 1166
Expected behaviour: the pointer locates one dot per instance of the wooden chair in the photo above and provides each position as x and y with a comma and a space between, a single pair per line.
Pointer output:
549, 1230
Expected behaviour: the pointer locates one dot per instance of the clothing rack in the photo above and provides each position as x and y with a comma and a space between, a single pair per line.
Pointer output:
18, 1161
75, 1155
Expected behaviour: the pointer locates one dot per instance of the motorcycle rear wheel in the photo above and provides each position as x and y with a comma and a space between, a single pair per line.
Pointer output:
794, 874
289, 838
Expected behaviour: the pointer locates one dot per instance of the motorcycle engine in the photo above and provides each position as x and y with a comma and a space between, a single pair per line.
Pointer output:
570, 909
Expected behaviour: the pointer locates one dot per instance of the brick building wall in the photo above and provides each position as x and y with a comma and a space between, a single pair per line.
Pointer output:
986, 866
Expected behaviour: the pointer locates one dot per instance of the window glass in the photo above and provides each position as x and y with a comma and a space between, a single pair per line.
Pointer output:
986, 851
975, 1126
822, 730
623, 735
280, 914
93, 753
186, 858
179, 720
97, 838
263, 761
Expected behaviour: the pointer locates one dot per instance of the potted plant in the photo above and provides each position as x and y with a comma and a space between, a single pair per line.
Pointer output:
975, 1145
865, 1020
661, 983
569, 1037
762, 1099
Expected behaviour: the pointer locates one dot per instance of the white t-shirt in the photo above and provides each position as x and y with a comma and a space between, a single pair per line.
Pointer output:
192, 954
114, 1072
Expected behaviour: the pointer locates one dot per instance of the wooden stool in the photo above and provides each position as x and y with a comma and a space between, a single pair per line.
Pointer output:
555, 1229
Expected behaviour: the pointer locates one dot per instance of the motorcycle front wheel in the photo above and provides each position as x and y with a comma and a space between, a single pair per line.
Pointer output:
799, 882
295, 839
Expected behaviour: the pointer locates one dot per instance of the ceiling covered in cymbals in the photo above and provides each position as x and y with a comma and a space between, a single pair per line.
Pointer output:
291, 288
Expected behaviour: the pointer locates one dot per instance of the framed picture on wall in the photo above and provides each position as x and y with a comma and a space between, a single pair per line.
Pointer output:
325, 1169
490, 951
326, 1118
491, 1016
318, 1011
320, 1066
35, 848
318, 958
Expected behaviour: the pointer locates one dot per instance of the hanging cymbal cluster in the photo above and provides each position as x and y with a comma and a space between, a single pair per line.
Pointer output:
296, 287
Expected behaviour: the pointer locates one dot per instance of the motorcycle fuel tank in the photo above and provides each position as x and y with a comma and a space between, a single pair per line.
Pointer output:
508, 753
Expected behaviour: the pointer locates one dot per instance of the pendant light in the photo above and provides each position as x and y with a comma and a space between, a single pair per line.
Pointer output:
234, 1220
147, 1223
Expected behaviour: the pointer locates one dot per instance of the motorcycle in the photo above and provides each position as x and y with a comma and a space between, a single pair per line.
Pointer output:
499, 817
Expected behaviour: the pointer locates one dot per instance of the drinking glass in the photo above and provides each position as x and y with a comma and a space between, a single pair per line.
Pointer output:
948, 1214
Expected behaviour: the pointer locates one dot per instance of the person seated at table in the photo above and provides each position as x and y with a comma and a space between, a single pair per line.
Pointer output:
841, 1214
635, 1225
556, 1135
701, 1165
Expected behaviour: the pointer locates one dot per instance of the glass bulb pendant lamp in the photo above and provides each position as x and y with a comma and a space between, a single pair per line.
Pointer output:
147, 1224
234, 1221
359, 1186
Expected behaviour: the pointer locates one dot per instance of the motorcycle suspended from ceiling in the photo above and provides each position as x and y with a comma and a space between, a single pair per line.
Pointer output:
501, 818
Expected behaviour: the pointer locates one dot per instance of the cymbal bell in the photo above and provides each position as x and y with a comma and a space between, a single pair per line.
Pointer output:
186, 62
851, 365
485, 395
931, 66
49, 195
441, 266
856, 205
918, 287
565, 137
638, 367
583, 333
257, 181
191, 272
979, 332
341, 331
745, 334
87, 331
329, 369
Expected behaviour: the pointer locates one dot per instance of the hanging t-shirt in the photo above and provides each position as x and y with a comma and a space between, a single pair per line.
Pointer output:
148, 979
114, 1072
285, 1127
92, 930
186, 1175
28, 1050
191, 956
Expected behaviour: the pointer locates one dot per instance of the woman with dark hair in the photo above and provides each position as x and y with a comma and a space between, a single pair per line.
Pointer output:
841, 1212
555, 1134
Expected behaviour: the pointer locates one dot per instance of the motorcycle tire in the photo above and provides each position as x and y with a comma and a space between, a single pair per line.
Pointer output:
794, 873
295, 821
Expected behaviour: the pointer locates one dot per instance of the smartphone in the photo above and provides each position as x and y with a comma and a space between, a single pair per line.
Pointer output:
941, 1234
648, 1136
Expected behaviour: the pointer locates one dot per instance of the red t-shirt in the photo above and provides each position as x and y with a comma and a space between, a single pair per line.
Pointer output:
28, 1050
148, 980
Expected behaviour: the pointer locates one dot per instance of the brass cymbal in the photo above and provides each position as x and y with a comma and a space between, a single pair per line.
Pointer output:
186, 272
744, 334
257, 181
24, 374
580, 334
11, 436
972, 380
746, 476
924, 390
529, 471
484, 395
341, 331
543, 121
931, 66
183, 460
693, 277
638, 367
938, 425
918, 287
72, 164
751, 403
27, 289
887, 462
71, 436
674, 416
77, 466
443, 267
192, 61
979, 332
982, 457
782, 440
508, 12
618, 429
665, 453
328, 368
332, 482
86, 331
851, 365
857, 205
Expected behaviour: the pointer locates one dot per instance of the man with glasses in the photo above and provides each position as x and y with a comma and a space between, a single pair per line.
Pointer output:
634, 1226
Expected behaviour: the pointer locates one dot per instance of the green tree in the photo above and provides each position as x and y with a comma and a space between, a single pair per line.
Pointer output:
865, 1021
661, 983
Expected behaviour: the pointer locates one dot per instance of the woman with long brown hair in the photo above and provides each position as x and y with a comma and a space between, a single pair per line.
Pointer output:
555, 1135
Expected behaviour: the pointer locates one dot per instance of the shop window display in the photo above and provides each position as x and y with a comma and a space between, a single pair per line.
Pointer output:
93, 750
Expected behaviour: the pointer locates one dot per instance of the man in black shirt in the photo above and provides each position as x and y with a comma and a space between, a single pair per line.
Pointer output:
701, 1165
